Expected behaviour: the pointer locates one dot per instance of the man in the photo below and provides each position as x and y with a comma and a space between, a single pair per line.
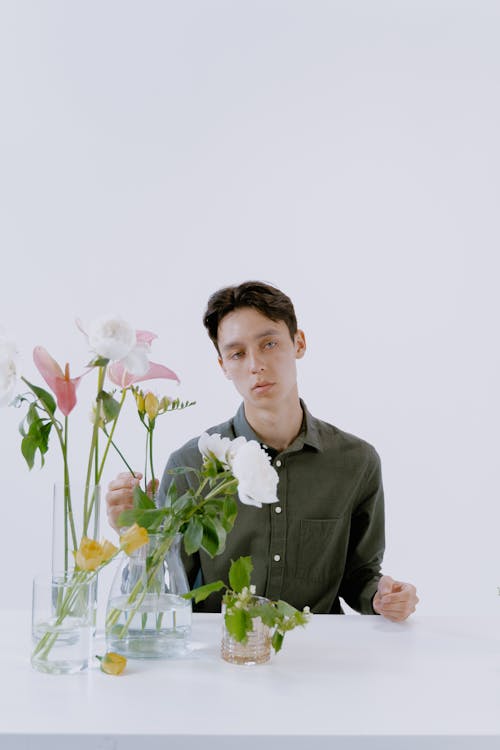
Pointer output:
324, 539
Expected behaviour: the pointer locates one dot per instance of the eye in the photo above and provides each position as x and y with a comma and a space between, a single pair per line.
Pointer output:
236, 355
270, 344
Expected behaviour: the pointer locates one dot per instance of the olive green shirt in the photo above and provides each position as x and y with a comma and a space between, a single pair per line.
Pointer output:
322, 540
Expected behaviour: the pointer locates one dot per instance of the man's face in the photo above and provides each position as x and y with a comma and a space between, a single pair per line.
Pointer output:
259, 356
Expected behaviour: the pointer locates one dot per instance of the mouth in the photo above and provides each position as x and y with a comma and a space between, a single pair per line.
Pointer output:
262, 387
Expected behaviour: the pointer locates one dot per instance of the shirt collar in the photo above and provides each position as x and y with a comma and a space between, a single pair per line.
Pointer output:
308, 435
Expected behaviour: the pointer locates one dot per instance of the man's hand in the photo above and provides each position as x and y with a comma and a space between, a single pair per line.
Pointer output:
394, 599
119, 496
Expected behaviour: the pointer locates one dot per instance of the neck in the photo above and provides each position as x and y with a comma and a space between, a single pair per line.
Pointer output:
276, 426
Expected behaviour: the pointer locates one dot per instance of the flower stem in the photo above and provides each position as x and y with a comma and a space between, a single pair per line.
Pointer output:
92, 453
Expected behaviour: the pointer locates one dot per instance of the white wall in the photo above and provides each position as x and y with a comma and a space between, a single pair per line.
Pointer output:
348, 152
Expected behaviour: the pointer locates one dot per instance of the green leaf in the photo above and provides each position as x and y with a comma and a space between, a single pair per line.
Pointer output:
193, 536
231, 488
142, 500
267, 613
202, 592
28, 449
229, 513
182, 503
277, 640
148, 519
239, 573
285, 609
172, 493
110, 405
210, 540
45, 397
35, 438
238, 623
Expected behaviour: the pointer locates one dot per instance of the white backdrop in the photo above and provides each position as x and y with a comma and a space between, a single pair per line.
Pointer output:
348, 152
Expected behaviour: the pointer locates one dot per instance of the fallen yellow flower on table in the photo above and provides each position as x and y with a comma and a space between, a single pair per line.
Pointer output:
112, 663
133, 538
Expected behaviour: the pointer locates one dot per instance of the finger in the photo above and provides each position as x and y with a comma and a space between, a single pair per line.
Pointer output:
151, 489
385, 585
402, 596
114, 515
398, 611
120, 497
124, 480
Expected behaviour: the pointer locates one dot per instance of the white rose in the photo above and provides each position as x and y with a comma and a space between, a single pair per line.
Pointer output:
8, 370
137, 360
257, 479
214, 446
111, 337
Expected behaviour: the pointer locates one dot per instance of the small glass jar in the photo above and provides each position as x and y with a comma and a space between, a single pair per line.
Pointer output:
257, 649
62, 623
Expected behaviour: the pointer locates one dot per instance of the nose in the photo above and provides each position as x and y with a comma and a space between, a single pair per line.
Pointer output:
255, 362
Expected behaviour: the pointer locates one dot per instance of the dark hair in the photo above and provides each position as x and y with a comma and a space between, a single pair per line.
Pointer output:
265, 298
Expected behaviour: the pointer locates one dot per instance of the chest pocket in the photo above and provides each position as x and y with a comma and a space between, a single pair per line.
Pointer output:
322, 549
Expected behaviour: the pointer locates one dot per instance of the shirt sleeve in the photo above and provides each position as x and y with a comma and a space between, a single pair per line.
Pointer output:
366, 542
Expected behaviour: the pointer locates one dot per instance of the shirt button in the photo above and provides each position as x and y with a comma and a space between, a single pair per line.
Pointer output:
277, 558
277, 509
278, 463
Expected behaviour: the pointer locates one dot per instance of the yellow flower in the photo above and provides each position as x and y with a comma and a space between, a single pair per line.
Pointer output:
139, 400
112, 663
89, 554
164, 403
133, 538
108, 550
151, 405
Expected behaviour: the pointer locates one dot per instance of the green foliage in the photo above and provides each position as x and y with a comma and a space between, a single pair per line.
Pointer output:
35, 432
210, 540
277, 641
110, 406
193, 535
240, 573
238, 624
203, 592
44, 397
98, 362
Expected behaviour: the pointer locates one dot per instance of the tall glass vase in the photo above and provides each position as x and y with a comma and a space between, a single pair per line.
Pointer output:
147, 618
76, 511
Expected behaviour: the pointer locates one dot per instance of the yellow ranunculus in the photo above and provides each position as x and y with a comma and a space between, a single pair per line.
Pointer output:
151, 405
89, 554
133, 538
108, 550
112, 663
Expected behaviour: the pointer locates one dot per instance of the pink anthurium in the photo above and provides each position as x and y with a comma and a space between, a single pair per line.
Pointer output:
58, 381
123, 377
119, 375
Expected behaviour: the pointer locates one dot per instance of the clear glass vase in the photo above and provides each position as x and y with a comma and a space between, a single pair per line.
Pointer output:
256, 650
63, 611
147, 618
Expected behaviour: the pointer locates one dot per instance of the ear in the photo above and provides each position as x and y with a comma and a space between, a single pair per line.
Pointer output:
221, 363
300, 344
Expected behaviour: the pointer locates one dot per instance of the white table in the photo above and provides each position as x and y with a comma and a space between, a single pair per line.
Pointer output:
343, 682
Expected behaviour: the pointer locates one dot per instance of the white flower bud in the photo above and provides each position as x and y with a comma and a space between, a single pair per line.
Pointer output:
8, 369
